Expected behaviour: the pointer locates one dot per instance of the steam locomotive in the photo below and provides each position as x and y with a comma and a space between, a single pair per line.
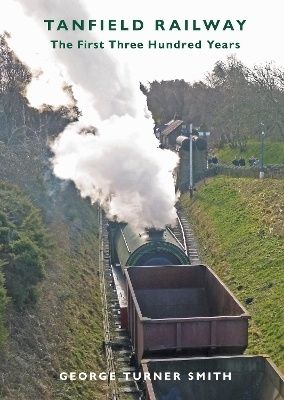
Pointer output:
150, 247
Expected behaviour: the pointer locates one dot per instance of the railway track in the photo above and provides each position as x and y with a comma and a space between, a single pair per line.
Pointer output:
118, 346
184, 233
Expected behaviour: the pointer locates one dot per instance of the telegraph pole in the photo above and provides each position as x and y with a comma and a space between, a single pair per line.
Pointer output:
190, 162
261, 174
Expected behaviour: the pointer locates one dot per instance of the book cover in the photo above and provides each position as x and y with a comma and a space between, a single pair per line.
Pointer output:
93, 97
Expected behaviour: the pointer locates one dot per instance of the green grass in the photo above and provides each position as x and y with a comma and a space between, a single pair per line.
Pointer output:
240, 230
273, 152
80, 299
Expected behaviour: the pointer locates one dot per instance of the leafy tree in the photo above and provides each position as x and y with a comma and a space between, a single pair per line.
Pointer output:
165, 98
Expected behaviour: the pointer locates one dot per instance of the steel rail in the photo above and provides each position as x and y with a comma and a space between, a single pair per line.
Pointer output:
183, 234
113, 386
174, 236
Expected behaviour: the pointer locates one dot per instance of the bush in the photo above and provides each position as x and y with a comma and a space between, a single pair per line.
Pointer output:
24, 272
23, 244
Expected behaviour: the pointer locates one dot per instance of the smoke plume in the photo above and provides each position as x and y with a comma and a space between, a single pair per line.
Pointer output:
122, 168
120, 165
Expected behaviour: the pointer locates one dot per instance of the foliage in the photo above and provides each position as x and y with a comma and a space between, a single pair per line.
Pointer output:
249, 97
18, 120
26, 131
64, 330
23, 244
3, 302
25, 270
233, 101
165, 99
239, 226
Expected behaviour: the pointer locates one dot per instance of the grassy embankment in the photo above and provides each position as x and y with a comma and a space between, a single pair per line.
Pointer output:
273, 153
239, 225
63, 332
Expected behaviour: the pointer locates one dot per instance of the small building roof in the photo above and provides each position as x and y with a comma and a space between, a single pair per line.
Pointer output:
174, 124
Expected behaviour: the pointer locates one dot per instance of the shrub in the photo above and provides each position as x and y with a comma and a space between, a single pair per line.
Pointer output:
23, 244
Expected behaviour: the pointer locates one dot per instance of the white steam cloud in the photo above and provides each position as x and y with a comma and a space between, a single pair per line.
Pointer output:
121, 165
122, 168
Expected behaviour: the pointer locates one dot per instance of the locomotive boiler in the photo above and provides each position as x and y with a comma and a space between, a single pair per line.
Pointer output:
150, 247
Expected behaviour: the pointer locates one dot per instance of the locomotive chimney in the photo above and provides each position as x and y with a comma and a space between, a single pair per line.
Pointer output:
155, 234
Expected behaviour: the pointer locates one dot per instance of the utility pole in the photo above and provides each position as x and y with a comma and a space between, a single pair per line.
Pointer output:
261, 174
190, 162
